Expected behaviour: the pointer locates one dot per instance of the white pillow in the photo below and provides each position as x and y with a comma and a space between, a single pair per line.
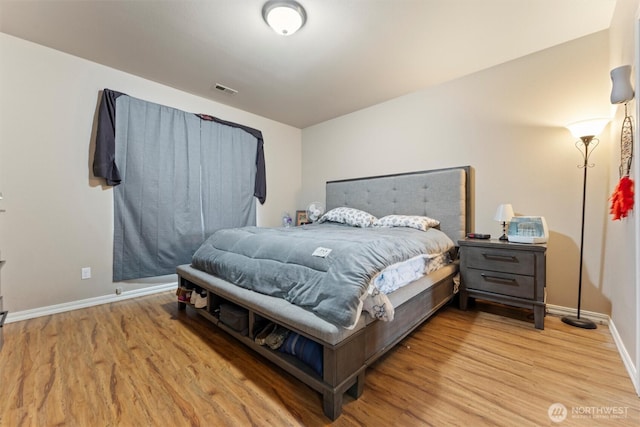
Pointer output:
413, 221
349, 216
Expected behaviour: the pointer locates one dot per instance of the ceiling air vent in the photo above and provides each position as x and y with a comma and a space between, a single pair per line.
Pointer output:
225, 89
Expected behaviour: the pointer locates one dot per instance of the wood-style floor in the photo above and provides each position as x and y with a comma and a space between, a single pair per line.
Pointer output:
144, 363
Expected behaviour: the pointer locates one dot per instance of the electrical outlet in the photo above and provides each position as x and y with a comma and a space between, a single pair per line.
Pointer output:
85, 273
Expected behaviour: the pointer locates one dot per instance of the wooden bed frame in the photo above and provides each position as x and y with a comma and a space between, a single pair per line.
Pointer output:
442, 194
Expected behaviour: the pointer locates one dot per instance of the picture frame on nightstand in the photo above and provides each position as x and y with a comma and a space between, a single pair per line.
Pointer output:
301, 218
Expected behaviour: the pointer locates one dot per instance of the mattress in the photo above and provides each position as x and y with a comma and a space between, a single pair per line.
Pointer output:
327, 269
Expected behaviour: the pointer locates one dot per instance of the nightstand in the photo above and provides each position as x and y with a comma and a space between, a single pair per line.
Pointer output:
507, 273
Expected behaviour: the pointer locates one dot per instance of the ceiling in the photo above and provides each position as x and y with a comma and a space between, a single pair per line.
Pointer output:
350, 54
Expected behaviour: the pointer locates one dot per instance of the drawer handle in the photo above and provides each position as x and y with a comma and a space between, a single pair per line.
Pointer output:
502, 280
494, 257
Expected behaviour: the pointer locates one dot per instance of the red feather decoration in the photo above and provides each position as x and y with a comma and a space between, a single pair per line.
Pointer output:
622, 198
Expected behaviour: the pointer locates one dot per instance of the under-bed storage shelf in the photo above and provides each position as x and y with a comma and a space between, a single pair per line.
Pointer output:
212, 313
282, 360
344, 362
337, 377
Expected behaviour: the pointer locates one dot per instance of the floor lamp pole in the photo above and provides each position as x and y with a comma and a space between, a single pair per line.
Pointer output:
577, 320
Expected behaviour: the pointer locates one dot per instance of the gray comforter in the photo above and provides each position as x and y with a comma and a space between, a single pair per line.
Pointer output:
281, 262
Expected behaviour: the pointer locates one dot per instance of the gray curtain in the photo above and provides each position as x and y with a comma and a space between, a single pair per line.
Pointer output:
182, 179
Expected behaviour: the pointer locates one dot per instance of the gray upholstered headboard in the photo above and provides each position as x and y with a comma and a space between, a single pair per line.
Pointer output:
442, 194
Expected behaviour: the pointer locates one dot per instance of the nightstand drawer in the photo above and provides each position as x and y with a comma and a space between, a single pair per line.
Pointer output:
501, 283
507, 261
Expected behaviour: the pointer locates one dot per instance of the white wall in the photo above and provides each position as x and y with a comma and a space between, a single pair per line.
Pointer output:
59, 218
622, 238
507, 122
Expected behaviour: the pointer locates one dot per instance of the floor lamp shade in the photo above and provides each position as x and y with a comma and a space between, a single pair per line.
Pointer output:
586, 128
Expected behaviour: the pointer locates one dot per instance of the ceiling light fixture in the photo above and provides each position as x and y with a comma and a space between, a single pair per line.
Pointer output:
284, 16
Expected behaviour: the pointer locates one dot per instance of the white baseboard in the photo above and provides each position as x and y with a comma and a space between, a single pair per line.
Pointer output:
624, 354
89, 302
558, 310
603, 319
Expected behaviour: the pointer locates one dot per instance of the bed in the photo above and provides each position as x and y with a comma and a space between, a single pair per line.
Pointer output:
344, 347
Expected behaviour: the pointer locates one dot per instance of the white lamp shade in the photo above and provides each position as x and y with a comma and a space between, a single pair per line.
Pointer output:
504, 213
587, 127
621, 90
284, 17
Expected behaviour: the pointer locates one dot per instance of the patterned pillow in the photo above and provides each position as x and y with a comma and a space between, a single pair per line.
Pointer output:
349, 216
419, 222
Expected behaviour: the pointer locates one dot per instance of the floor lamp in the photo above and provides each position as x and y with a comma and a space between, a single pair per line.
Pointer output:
586, 131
